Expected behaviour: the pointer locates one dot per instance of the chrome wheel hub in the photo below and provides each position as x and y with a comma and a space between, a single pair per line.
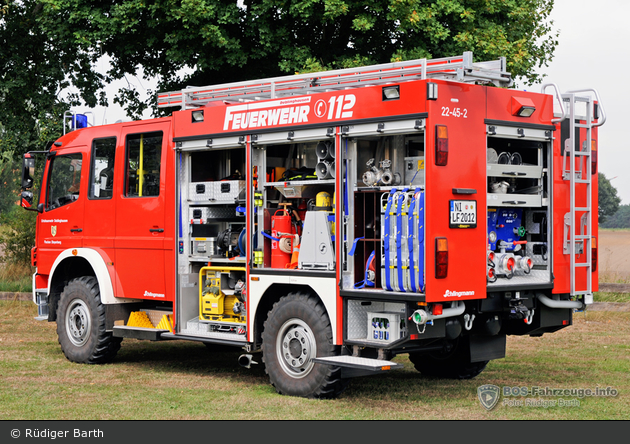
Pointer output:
295, 347
78, 322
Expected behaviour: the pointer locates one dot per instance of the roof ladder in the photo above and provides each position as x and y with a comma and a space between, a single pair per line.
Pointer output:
576, 169
460, 68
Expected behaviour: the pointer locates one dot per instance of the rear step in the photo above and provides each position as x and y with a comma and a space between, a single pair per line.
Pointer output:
357, 366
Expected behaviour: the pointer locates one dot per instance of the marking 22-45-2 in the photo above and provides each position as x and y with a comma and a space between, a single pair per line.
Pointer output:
454, 112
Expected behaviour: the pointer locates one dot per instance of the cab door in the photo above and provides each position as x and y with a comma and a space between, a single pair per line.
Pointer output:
100, 215
61, 223
140, 221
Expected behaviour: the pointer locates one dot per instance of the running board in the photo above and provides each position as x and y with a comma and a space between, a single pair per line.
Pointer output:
356, 366
151, 334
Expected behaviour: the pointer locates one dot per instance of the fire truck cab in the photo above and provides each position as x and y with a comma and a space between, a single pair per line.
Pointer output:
328, 221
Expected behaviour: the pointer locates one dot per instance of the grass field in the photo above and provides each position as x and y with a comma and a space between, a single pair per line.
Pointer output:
183, 380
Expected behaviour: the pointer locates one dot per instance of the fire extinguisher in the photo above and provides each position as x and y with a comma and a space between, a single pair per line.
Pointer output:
282, 234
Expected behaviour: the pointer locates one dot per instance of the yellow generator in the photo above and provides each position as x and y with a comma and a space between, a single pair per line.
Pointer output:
222, 294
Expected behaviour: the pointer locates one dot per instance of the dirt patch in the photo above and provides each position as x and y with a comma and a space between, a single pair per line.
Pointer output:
15, 296
614, 257
609, 306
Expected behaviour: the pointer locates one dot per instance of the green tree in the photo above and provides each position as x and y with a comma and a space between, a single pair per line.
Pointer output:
17, 236
35, 71
608, 202
621, 218
225, 40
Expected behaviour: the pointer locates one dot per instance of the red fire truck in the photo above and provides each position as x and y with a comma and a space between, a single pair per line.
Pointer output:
328, 221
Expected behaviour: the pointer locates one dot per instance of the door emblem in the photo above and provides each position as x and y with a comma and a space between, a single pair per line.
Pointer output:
53, 230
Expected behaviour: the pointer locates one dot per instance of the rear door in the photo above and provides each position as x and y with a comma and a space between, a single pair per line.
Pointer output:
456, 194
140, 221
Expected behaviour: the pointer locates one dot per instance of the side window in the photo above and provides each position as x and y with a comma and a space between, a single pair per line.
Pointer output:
102, 168
64, 180
142, 175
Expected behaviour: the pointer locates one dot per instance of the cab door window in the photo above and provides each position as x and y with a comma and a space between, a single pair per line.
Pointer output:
102, 168
64, 183
144, 153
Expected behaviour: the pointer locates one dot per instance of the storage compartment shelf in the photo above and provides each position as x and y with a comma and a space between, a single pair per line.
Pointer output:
515, 171
218, 259
516, 200
300, 188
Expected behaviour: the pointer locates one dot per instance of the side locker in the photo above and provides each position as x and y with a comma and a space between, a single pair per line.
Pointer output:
519, 206
212, 240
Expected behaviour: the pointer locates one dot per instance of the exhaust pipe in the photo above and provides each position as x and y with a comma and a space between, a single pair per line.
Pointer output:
553, 303
246, 360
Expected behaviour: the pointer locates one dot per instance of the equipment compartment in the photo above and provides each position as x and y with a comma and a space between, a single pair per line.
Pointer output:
518, 222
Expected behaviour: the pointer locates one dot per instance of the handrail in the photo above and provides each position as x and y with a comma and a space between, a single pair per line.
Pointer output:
555, 87
599, 102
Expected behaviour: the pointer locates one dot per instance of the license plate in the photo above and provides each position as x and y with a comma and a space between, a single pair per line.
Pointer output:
463, 214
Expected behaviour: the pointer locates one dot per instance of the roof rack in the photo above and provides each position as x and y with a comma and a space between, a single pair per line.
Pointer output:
459, 68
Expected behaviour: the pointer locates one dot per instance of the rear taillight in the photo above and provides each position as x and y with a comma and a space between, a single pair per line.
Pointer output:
441, 257
437, 310
594, 254
593, 156
441, 145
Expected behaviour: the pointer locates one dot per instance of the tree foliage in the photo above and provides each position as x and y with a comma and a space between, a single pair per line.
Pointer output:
35, 69
608, 200
621, 218
202, 42
17, 236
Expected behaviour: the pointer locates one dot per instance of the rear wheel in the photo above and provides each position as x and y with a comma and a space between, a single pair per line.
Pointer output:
452, 363
296, 331
81, 324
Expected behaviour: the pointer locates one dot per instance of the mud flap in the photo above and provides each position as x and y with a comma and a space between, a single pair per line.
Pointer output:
486, 348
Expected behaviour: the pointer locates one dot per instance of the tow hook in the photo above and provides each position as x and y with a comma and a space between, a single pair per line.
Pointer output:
468, 321
529, 317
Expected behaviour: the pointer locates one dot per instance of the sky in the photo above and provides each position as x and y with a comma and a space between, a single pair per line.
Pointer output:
592, 53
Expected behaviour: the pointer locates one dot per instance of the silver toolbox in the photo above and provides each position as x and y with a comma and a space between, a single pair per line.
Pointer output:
201, 191
228, 190
198, 213
204, 246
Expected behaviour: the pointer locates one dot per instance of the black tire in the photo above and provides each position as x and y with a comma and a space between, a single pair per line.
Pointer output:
81, 324
296, 330
452, 364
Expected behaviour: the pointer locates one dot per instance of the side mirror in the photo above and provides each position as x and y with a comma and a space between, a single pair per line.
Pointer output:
27, 199
27, 202
28, 171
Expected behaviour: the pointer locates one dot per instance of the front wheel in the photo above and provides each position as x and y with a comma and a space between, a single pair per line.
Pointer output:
81, 324
296, 331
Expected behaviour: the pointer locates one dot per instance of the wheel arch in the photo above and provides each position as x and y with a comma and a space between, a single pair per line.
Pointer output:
74, 263
273, 293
